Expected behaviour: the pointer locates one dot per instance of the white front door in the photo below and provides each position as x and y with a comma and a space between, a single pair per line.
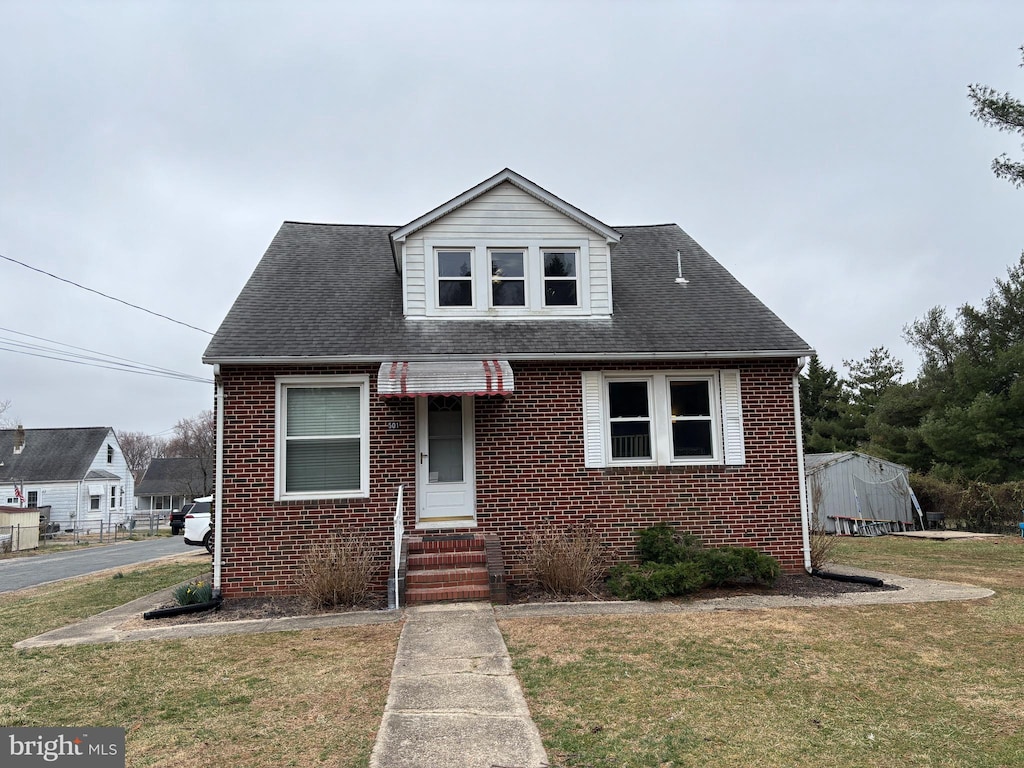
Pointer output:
445, 480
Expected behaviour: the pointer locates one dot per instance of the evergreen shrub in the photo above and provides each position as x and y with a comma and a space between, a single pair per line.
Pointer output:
675, 563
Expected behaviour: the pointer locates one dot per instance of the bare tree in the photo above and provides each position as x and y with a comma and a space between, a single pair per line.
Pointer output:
197, 438
4, 407
139, 449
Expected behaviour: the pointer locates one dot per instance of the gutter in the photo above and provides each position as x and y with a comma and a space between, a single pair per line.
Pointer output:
805, 507
218, 485
521, 356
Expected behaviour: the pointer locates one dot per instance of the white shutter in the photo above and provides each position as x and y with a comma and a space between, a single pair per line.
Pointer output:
732, 417
593, 419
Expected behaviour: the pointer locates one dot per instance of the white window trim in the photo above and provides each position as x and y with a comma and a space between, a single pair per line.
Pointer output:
577, 279
281, 385
525, 279
534, 269
726, 409
471, 279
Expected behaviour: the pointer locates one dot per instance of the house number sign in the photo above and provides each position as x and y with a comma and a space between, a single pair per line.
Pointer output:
392, 426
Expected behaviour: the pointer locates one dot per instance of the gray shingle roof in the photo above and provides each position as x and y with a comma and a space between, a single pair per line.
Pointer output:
331, 291
50, 454
172, 477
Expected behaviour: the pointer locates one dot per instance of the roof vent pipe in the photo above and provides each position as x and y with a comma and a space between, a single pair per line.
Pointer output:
679, 267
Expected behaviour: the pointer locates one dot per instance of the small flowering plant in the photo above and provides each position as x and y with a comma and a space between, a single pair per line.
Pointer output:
197, 591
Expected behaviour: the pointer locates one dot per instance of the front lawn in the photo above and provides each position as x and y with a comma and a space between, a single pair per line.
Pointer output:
284, 699
937, 684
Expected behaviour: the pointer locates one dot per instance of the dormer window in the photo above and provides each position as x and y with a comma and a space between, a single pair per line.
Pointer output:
508, 278
455, 278
508, 250
561, 279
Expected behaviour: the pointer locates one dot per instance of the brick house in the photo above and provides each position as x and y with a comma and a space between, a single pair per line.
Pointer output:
510, 362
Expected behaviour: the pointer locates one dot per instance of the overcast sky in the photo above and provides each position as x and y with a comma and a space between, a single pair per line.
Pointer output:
823, 152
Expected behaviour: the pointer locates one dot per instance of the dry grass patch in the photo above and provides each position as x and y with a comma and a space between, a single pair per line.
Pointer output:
910, 685
284, 699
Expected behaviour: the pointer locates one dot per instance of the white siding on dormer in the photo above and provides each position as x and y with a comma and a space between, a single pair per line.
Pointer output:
505, 217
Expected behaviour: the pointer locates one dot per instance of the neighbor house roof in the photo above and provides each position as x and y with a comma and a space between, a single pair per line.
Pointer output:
50, 455
172, 477
331, 292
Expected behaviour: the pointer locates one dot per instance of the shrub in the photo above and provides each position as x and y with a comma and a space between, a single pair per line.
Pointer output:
654, 581
822, 542
662, 544
336, 572
196, 591
676, 564
567, 561
972, 505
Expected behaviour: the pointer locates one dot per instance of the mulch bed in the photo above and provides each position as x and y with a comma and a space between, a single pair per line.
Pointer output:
240, 609
800, 585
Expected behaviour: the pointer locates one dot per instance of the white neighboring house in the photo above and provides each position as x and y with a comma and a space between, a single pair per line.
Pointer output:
80, 473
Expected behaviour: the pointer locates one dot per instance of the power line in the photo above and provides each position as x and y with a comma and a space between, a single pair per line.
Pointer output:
94, 359
104, 356
123, 369
104, 295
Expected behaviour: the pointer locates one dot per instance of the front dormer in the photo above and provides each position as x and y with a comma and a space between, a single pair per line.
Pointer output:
505, 249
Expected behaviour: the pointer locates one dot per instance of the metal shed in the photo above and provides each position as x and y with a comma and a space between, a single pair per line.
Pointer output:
853, 493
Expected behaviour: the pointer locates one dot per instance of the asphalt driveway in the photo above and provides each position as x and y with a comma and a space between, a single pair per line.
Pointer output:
22, 572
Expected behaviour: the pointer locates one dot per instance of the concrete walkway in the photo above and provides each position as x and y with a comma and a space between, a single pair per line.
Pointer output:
453, 698
105, 627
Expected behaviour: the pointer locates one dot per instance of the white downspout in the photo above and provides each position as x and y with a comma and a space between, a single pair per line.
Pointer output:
805, 510
218, 485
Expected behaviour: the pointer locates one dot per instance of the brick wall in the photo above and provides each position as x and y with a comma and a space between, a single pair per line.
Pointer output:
529, 468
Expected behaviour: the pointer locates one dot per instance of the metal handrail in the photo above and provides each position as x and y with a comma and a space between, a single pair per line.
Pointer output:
397, 553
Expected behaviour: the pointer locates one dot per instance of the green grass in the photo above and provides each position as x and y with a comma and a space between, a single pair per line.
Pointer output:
296, 698
910, 685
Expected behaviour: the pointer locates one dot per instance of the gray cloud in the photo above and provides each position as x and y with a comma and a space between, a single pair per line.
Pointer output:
824, 153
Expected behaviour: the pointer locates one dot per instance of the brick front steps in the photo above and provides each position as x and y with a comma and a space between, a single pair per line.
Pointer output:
452, 568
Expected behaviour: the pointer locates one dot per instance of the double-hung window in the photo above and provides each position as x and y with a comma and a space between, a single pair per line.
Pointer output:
629, 422
662, 418
693, 431
561, 278
455, 278
508, 278
322, 438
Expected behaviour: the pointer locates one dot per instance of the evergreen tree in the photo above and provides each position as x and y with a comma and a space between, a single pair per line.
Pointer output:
1004, 113
974, 421
824, 410
871, 377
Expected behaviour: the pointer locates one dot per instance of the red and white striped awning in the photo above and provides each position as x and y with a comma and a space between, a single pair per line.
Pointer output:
478, 377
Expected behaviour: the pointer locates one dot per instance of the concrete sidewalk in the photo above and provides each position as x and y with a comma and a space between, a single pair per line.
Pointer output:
454, 700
